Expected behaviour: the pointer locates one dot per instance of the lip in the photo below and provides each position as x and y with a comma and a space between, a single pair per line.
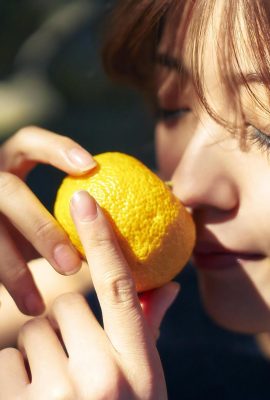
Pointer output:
220, 260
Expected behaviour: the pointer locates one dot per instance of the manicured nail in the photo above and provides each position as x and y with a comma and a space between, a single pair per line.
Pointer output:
67, 258
83, 206
34, 304
81, 159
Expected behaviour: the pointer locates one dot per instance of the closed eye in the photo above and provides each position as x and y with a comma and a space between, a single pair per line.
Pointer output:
258, 137
167, 115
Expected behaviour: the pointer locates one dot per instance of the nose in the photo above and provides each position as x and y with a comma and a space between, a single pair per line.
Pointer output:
205, 175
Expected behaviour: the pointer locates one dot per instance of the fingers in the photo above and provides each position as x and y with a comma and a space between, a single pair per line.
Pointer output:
92, 364
13, 375
78, 326
16, 277
155, 304
20, 208
33, 145
38, 226
47, 360
35, 223
35, 337
122, 314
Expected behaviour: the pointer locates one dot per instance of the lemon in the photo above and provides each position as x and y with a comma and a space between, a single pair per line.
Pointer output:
155, 231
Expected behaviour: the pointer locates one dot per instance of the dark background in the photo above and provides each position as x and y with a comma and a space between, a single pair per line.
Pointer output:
51, 75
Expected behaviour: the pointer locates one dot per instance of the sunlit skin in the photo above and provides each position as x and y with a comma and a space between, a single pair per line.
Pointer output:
221, 180
225, 186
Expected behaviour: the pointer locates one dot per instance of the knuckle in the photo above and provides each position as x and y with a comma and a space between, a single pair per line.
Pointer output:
67, 299
33, 325
103, 241
102, 238
24, 132
66, 141
8, 353
44, 229
16, 275
9, 183
21, 132
118, 288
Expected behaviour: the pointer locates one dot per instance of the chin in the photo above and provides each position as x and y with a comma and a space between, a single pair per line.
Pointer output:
233, 303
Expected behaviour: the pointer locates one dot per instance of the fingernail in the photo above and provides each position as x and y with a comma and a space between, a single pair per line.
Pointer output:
81, 159
84, 206
34, 304
67, 258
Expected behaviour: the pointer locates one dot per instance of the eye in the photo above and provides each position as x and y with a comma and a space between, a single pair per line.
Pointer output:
167, 115
258, 137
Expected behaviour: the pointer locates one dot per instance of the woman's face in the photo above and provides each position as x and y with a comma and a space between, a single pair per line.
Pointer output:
226, 187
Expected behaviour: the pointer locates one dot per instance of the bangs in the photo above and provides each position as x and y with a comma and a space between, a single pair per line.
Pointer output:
132, 35
246, 22
136, 27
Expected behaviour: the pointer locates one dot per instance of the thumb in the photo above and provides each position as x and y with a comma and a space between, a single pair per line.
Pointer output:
156, 302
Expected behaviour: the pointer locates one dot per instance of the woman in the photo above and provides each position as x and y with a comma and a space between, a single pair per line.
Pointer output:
206, 67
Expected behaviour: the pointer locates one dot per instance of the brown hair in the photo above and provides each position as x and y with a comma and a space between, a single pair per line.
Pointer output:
136, 26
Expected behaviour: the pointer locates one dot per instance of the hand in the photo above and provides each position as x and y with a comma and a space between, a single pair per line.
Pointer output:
51, 284
118, 361
27, 229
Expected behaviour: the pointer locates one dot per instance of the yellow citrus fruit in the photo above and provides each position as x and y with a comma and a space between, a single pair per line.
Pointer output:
155, 232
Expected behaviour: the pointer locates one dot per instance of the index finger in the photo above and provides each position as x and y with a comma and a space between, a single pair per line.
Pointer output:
32, 145
122, 314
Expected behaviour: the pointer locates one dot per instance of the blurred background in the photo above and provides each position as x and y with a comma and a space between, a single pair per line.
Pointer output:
51, 75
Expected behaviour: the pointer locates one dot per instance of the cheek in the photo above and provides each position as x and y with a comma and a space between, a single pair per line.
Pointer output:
255, 203
172, 139
168, 151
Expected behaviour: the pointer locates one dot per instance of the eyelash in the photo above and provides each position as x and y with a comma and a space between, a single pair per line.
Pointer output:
259, 138
166, 115
256, 136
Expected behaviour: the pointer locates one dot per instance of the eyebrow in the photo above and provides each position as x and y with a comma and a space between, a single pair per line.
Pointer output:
173, 63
